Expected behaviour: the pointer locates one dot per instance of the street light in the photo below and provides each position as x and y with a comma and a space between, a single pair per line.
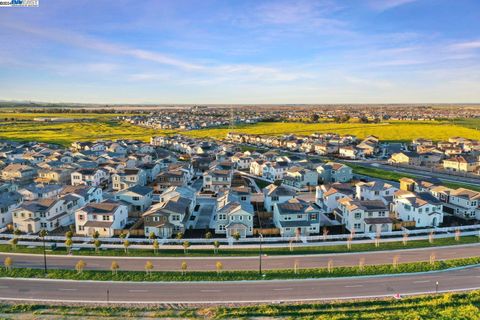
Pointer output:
43, 233
260, 256
436, 287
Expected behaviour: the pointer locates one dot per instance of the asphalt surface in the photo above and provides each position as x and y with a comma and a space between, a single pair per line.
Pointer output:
269, 291
245, 262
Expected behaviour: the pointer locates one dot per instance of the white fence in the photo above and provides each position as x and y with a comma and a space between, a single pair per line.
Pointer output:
275, 241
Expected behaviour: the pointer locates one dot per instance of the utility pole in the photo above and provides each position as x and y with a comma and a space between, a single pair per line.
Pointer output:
43, 234
260, 256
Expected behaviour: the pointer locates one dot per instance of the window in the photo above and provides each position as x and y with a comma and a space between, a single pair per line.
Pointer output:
274, 198
135, 198
358, 215
106, 218
357, 225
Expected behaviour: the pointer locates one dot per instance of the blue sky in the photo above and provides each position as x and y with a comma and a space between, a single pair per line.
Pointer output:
242, 51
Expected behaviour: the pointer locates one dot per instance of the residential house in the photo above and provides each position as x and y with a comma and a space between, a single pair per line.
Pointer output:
364, 216
422, 207
276, 194
334, 172
234, 213
128, 177
103, 217
300, 178
296, 217
137, 198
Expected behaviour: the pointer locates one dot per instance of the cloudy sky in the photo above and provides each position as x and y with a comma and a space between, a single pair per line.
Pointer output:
241, 51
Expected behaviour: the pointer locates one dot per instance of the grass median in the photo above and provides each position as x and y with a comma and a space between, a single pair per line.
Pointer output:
458, 306
330, 271
226, 251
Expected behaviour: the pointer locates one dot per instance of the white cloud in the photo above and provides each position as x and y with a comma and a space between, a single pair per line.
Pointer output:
382, 5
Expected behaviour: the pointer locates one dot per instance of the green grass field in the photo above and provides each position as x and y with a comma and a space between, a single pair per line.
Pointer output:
65, 133
388, 131
461, 306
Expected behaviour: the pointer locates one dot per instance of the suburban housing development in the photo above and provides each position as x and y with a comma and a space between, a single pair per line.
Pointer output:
244, 186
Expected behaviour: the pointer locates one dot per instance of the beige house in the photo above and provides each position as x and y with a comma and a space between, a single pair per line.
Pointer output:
461, 164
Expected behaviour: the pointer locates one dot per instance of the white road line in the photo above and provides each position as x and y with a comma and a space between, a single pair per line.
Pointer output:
421, 281
282, 289
3, 287
210, 290
355, 286
67, 289
139, 290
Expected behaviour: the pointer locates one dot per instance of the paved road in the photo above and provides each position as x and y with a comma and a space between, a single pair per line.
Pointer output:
246, 263
237, 292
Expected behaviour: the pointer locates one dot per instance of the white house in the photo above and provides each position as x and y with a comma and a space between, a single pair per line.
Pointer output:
423, 208
138, 198
89, 177
300, 178
234, 214
104, 218
128, 177
327, 196
375, 190
363, 216
276, 194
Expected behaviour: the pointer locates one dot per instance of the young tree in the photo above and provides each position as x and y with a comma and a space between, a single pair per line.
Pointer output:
186, 245
95, 235
68, 245
179, 236
13, 243
405, 239
80, 266
148, 267
433, 258
218, 267
330, 266
236, 236
395, 260
208, 235
184, 267
97, 243
114, 267
431, 237
361, 264
8, 263
325, 233
152, 236
69, 234
295, 266
457, 234
155, 245
216, 245
122, 235
126, 244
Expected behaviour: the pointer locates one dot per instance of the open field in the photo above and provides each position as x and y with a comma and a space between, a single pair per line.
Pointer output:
8, 116
388, 131
443, 306
65, 133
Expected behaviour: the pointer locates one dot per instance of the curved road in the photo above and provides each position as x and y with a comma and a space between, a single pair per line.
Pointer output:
246, 262
270, 291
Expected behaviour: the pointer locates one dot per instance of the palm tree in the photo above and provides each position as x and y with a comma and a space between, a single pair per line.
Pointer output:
208, 235
156, 245
219, 267
148, 267
186, 245
184, 267
216, 245
97, 243
114, 267
8, 263
14, 243
68, 244
80, 266
126, 244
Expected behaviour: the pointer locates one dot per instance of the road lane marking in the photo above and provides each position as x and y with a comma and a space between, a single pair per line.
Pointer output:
421, 281
3, 287
67, 289
282, 289
210, 290
138, 290
355, 286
